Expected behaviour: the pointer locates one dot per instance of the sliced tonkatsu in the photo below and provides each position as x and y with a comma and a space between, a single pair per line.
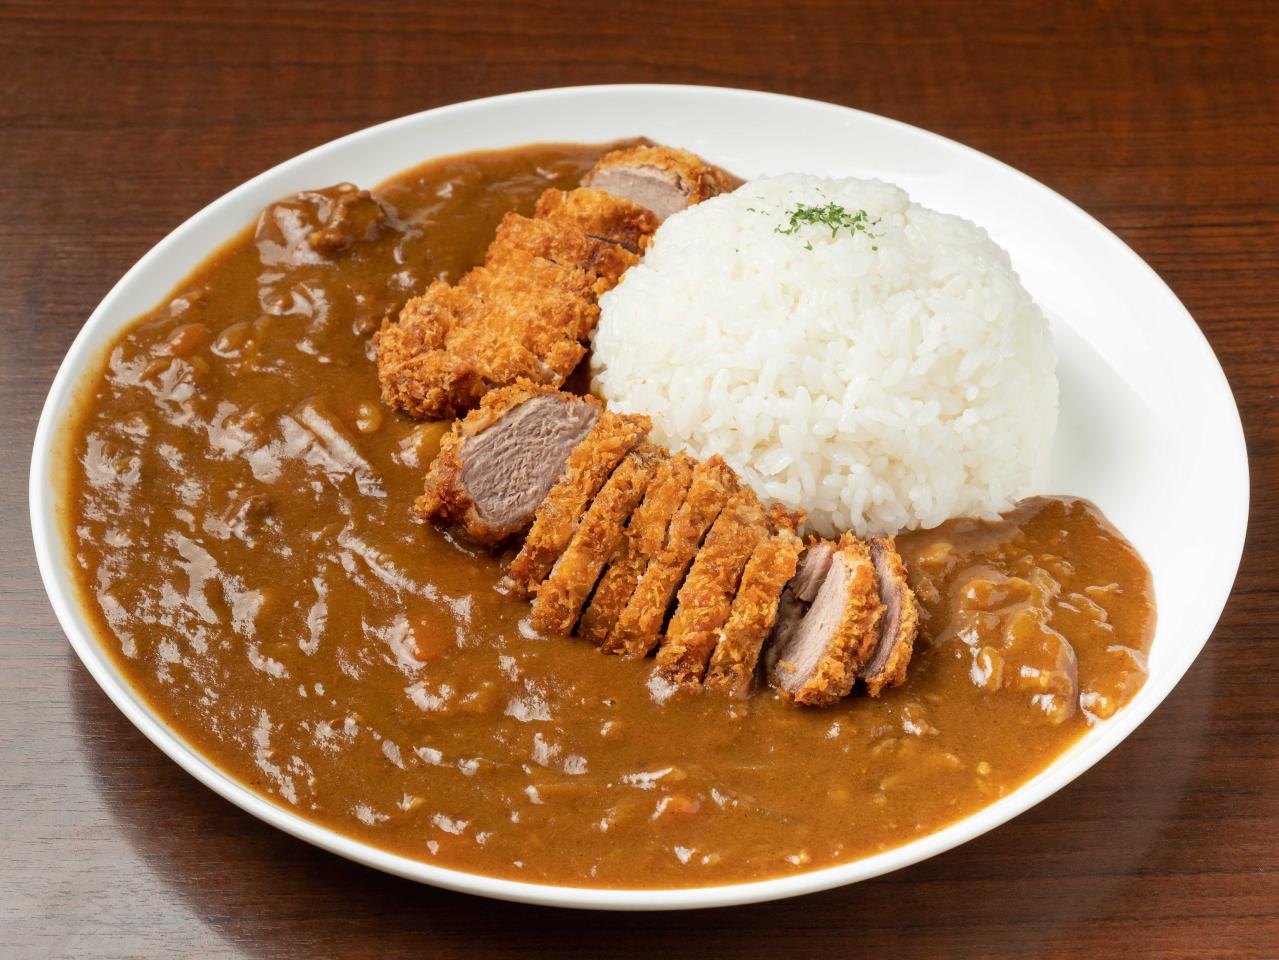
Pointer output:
754, 610
886, 666
706, 596
589, 466
621, 534
818, 647
639, 626
662, 179
496, 466
599, 214
526, 312
642, 541
598, 535
453, 344
601, 262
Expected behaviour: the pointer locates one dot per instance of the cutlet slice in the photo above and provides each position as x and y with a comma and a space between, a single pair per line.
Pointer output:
526, 313
589, 465
565, 242
531, 300
496, 465
416, 373
706, 597
817, 661
662, 179
886, 667
452, 345
638, 628
561, 595
600, 214
643, 540
754, 611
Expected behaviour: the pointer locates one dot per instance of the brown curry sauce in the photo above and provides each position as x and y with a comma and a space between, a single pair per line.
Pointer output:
241, 520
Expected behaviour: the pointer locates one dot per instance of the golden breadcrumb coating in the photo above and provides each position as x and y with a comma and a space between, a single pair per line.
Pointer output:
600, 215
525, 313
754, 611
706, 596
561, 595
639, 627
643, 540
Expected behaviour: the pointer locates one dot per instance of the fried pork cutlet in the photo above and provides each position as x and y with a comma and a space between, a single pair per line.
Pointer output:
754, 610
524, 314
599, 214
643, 540
662, 179
886, 667
496, 466
704, 600
589, 465
602, 262
815, 662
561, 595
455, 343
639, 627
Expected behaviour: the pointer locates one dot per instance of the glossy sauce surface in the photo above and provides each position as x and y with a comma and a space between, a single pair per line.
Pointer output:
240, 515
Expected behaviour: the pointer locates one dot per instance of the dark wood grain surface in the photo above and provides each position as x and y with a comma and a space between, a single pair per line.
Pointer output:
118, 121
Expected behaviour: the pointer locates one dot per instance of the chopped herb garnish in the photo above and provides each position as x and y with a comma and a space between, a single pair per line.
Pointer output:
832, 216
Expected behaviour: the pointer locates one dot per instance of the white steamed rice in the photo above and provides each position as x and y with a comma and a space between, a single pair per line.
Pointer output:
880, 380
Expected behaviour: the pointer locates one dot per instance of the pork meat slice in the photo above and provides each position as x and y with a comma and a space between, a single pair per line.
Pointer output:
816, 661
798, 595
662, 179
561, 595
643, 540
497, 465
706, 597
589, 466
754, 611
886, 666
639, 627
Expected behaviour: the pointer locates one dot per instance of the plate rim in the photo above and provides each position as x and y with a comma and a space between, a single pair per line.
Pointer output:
46, 532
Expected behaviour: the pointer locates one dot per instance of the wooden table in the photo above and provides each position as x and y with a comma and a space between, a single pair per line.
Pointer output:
121, 120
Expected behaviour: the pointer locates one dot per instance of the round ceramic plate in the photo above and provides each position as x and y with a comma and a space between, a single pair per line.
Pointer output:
1148, 429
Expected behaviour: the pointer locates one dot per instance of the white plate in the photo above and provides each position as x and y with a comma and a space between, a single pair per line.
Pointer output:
1149, 429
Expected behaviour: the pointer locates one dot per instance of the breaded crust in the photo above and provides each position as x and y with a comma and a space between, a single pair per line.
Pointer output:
600, 215
754, 611
561, 595
706, 596
643, 540
602, 261
525, 313
445, 498
902, 644
612, 438
852, 641
638, 628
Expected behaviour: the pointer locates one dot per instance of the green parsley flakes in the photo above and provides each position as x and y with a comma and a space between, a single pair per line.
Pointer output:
831, 216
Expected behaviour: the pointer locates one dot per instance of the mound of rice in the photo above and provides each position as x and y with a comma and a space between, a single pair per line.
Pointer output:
891, 376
